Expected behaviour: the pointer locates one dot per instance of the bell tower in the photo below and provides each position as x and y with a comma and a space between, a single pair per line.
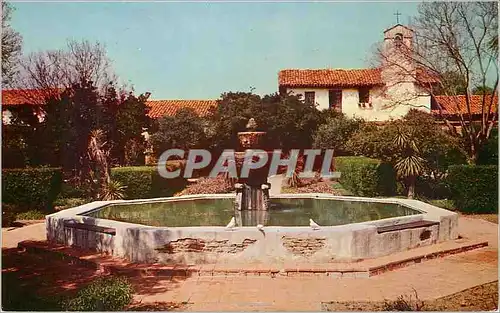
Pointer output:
397, 55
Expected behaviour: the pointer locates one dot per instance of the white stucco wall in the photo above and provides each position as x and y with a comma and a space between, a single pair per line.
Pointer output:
6, 117
393, 103
320, 94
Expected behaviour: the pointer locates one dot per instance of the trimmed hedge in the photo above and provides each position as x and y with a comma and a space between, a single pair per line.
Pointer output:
488, 153
429, 188
474, 189
366, 177
145, 182
31, 187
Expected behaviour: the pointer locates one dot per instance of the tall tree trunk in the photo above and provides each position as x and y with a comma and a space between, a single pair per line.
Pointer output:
473, 155
411, 187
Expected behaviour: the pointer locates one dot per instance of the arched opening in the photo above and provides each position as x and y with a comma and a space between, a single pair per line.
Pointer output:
398, 40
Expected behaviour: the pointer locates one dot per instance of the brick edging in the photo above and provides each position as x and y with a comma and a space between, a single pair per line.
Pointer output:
187, 270
376, 270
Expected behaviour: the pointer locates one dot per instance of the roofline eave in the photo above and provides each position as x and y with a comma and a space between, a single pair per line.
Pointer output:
329, 86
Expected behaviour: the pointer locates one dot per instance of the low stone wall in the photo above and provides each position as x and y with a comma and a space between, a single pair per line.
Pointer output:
195, 245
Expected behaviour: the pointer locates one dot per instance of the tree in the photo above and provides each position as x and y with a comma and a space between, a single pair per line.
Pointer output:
410, 165
11, 45
289, 121
335, 133
66, 130
131, 121
231, 116
124, 118
98, 156
51, 71
407, 142
184, 130
459, 38
482, 90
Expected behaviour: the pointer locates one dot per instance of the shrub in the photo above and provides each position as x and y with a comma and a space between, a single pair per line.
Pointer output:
366, 177
488, 154
208, 185
73, 190
145, 182
8, 215
113, 190
103, 294
474, 188
31, 215
404, 303
31, 187
443, 203
429, 188
66, 203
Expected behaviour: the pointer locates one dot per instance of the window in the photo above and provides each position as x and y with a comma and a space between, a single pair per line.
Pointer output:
309, 97
335, 99
364, 95
398, 40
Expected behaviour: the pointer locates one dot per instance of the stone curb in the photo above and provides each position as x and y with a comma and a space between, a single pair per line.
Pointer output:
376, 270
197, 270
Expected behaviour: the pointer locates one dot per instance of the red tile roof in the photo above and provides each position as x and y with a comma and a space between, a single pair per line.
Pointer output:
339, 77
160, 108
449, 104
329, 77
424, 76
26, 96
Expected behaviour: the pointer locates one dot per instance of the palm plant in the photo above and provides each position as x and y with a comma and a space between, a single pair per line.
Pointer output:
113, 190
410, 165
98, 154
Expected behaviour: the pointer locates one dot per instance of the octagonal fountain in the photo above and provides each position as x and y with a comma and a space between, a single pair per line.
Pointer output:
192, 229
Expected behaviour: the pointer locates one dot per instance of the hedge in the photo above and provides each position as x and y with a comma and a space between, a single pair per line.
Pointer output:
488, 153
474, 188
366, 177
428, 188
31, 187
144, 182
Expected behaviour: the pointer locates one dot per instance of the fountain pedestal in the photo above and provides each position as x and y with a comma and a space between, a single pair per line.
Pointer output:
252, 193
252, 197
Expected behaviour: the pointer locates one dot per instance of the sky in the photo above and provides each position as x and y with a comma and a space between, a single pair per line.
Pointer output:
191, 50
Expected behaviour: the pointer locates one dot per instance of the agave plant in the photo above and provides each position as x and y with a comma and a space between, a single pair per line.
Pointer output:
295, 181
411, 165
113, 190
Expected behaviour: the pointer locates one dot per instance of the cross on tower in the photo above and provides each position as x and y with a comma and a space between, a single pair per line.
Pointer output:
397, 16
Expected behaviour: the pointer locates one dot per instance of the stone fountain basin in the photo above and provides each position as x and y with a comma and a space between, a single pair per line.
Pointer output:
213, 244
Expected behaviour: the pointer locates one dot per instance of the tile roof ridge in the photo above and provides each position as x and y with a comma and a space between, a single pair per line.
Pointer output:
331, 69
150, 100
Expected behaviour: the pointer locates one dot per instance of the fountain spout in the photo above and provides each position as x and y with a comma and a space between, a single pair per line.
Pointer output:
252, 193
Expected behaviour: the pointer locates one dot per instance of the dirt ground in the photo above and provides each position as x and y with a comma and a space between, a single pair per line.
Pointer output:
479, 298
492, 218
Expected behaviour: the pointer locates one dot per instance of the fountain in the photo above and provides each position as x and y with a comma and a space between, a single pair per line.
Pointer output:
252, 193
192, 229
